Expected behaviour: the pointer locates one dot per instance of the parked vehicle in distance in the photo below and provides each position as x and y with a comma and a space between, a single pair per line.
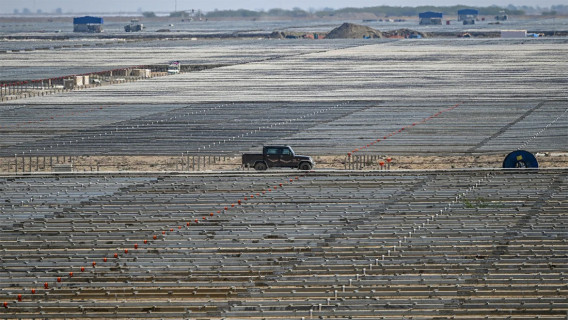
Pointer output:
277, 157
174, 67
134, 26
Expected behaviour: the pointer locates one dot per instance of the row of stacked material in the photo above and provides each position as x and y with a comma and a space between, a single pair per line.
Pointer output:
93, 55
437, 70
314, 128
470, 128
158, 130
475, 244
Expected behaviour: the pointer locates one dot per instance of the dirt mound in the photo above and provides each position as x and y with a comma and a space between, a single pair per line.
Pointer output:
353, 31
404, 33
277, 35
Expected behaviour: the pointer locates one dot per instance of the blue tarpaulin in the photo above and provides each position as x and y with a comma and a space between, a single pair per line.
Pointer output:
468, 12
88, 20
430, 14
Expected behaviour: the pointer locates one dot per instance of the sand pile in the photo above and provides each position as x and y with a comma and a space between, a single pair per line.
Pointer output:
353, 31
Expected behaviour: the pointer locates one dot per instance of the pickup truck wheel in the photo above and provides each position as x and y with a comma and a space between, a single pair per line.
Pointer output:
260, 166
305, 166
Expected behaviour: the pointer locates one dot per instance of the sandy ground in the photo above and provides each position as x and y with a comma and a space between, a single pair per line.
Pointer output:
167, 163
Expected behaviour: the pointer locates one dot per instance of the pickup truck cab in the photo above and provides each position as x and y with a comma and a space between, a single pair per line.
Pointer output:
277, 157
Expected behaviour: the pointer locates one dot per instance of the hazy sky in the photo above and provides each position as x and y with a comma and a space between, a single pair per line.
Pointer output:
8, 6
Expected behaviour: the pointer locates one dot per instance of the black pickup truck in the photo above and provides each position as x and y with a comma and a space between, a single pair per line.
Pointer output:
277, 157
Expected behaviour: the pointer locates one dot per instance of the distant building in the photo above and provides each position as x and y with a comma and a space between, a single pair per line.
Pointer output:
88, 24
468, 16
430, 18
